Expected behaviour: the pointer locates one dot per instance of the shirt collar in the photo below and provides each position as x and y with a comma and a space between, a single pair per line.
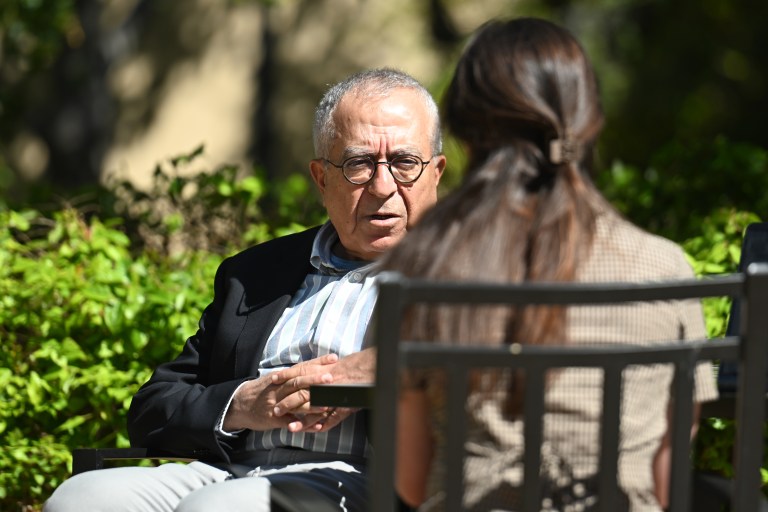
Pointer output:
322, 257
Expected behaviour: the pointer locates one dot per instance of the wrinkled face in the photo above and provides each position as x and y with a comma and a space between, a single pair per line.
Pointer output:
373, 217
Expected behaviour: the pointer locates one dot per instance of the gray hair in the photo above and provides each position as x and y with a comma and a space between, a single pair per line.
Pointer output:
372, 82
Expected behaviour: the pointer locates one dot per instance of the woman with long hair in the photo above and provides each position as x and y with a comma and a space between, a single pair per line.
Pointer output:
525, 103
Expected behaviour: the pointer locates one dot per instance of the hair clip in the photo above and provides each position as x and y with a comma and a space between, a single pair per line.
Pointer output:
563, 151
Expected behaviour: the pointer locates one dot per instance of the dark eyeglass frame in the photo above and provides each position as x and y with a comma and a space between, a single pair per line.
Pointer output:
376, 164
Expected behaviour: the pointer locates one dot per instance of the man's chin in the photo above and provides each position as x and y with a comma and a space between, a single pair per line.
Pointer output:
374, 247
372, 244
381, 245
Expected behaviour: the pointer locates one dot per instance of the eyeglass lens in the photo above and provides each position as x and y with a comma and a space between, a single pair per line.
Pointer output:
404, 168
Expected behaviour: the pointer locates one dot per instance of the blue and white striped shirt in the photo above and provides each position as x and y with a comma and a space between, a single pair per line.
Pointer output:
329, 313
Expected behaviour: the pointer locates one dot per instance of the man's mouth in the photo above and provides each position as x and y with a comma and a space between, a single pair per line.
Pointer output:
383, 220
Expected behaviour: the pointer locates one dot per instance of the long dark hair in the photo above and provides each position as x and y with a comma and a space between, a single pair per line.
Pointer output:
525, 103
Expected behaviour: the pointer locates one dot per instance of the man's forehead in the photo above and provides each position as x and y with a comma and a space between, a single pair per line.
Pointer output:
399, 97
362, 122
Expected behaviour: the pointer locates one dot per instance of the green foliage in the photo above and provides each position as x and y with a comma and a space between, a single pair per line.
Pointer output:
219, 211
717, 250
686, 182
83, 322
89, 307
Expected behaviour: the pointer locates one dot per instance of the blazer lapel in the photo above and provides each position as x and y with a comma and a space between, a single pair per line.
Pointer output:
268, 285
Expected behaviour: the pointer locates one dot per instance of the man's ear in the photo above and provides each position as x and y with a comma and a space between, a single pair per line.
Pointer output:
317, 171
439, 167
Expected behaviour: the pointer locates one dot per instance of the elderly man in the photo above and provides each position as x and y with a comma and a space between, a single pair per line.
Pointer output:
286, 314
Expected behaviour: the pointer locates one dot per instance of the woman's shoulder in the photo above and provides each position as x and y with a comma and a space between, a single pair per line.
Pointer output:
622, 251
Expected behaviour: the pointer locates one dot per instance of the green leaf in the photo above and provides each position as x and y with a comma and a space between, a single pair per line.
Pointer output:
225, 189
174, 222
72, 423
185, 159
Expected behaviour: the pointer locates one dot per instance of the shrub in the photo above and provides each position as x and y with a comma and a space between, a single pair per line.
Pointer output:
688, 181
83, 323
89, 307
718, 250
215, 211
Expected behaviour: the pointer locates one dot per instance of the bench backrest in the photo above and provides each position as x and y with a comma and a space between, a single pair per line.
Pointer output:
748, 347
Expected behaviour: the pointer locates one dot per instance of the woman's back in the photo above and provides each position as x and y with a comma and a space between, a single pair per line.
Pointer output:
494, 448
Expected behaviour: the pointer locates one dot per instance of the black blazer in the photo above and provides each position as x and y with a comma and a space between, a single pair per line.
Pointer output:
178, 408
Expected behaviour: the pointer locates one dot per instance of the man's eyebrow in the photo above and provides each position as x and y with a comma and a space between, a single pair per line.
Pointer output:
359, 151
408, 150
356, 151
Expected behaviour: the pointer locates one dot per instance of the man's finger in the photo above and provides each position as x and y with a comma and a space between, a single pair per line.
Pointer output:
294, 394
306, 423
292, 403
331, 418
311, 367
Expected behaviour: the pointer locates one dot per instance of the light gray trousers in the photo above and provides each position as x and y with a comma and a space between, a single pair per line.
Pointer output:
199, 487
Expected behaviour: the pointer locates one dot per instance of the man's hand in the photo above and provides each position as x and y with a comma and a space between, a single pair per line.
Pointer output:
253, 406
357, 367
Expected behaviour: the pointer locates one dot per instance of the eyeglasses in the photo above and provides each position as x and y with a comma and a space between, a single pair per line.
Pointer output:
359, 170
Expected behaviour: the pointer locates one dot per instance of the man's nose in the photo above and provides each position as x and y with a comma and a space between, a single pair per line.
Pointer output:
382, 184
